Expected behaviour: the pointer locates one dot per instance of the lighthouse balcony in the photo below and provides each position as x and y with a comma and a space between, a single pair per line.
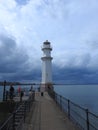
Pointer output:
46, 58
46, 48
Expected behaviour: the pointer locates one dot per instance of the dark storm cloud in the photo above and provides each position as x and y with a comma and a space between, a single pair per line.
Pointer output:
32, 76
12, 59
74, 75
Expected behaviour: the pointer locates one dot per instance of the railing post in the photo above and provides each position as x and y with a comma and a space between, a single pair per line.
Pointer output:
33, 94
56, 98
29, 105
14, 120
61, 101
4, 90
53, 95
87, 119
68, 108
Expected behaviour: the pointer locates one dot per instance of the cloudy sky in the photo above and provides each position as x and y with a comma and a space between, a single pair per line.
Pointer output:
70, 25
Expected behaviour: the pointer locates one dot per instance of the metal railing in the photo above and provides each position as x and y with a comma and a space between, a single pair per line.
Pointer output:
79, 115
15, 120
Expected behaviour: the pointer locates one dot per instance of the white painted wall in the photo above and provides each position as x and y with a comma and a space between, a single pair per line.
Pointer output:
46, 64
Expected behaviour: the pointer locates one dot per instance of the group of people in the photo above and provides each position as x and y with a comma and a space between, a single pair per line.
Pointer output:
10, 94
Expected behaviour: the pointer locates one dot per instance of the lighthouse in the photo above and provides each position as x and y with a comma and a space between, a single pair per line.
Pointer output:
46, 65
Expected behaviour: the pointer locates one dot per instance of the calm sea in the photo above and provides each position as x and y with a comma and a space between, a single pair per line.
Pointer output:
84, 95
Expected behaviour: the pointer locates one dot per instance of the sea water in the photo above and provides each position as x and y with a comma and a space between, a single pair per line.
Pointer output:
83, 95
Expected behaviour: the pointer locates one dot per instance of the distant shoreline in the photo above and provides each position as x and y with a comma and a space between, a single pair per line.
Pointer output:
18, 83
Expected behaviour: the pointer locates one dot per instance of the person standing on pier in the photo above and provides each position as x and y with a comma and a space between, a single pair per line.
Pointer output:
11, 92
19, 90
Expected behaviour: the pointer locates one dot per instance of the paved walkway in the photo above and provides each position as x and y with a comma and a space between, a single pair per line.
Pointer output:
46, 115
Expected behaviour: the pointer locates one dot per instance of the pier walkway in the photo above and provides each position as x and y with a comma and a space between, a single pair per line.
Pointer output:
46, 115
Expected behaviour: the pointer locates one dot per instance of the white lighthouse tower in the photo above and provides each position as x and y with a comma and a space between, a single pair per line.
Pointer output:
46, 65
